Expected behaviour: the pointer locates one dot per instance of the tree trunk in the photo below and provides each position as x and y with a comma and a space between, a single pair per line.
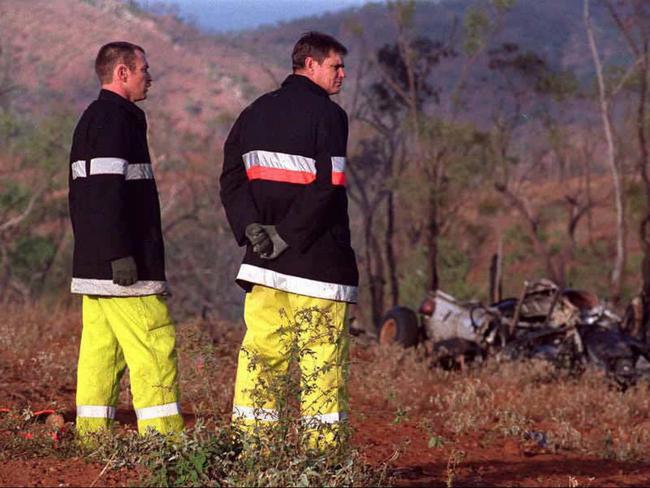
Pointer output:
644, 232
619, 260
590, 200
374, 272
643, 168
432, 242
496, 272
391, 260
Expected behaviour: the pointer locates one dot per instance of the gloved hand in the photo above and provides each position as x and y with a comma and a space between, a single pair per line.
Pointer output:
279, 245
259, 238
266, 241
125, 271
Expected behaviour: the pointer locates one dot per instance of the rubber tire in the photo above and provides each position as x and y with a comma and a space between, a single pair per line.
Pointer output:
399, 326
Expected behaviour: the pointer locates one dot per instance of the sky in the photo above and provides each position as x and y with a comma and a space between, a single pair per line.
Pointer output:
232, 15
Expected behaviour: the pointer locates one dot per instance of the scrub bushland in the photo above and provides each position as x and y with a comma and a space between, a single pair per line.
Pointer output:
531, 402
200, 456
447, 415
213, 452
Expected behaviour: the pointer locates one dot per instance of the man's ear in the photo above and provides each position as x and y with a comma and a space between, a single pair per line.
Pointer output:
121, 71
309, 63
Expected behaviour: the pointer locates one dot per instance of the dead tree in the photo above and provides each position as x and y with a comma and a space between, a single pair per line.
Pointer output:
7, 64
528, 82
366, 192
12, 218
631, 18
612, 160
577, 210
555, 270
405, 68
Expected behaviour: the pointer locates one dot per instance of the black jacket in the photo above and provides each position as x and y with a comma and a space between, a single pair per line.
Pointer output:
284, 163
114, 200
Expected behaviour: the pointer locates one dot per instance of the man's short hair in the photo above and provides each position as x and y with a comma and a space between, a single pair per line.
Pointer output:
315, 45
112, 54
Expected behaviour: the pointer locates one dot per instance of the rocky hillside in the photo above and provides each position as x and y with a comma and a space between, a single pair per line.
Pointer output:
553, 28
48, 49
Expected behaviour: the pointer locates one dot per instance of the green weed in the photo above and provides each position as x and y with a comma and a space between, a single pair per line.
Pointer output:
286, 452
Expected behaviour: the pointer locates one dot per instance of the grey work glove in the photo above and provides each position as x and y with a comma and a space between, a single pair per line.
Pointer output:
267, 243
259, 238
279, 245
125, 271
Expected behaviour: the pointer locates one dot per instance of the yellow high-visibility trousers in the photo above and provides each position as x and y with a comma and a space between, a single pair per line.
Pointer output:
280, 326
127, 331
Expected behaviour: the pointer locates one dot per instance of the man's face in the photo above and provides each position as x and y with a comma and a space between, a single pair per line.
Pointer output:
329, 74
139, 80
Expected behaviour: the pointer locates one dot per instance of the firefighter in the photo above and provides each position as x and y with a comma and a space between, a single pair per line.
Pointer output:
118, 263
283, 190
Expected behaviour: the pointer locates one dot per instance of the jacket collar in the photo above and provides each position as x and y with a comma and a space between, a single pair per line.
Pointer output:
123, 102
304, 82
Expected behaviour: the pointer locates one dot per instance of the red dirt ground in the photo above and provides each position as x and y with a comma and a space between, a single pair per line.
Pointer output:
404, 446
381, 437
507, 463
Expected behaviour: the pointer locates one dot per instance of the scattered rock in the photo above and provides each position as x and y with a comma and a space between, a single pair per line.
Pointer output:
55, 421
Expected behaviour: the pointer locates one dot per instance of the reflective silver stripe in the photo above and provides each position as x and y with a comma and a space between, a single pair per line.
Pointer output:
252, 413
88, 286
299, 286
158, 411
96, 411
338, 164
268, 159
108, 166
327, 418
78, 169
139, 172
113, 166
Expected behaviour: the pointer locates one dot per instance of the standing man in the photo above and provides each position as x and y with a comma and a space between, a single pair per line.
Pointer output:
283, 189
119, 263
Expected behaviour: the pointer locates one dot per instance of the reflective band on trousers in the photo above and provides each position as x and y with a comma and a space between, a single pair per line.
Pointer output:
288, 168
158, 411
295, 284
112, 166
270, 415
96, 411
254, 413
326, 418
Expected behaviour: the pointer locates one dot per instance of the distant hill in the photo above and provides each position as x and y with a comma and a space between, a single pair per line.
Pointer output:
202, 81
551, 28
50, 45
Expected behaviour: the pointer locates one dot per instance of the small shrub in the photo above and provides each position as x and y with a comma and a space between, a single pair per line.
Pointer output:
266, 454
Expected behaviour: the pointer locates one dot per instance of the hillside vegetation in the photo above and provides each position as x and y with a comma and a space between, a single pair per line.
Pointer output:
497, 141
198, 81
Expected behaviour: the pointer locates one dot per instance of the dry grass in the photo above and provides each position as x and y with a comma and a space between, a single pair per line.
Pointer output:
586, 415
484, 407
207, 362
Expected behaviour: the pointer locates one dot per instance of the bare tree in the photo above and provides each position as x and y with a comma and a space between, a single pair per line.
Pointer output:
632, 19
405, 69
612, 160
418, 148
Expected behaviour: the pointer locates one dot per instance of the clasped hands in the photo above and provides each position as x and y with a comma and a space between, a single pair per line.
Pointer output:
266, 241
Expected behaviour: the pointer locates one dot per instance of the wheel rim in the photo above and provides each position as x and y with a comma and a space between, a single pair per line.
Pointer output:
388, 333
